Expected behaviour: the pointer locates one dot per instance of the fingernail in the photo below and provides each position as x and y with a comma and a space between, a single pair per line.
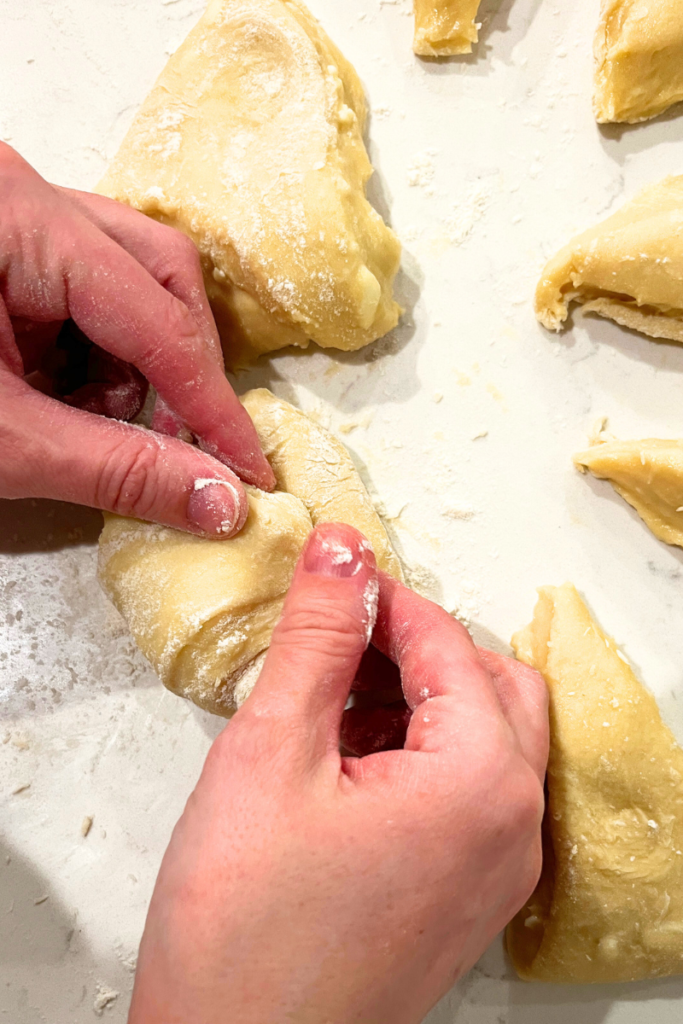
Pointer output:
215, 507
336, 551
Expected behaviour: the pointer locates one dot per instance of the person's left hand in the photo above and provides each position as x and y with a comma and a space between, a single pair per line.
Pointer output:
96, 300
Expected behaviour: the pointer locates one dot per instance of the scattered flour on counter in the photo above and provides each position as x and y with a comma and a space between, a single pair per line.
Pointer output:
459, 511
469, 209
104, 998
421, 171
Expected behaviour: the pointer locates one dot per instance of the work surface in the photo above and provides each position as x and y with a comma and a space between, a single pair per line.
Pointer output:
463, 423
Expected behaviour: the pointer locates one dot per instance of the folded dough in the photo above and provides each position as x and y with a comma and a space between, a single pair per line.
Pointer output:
445, 27
203, 611
649, 475
251, 143
638, 59
609, 905
628, 268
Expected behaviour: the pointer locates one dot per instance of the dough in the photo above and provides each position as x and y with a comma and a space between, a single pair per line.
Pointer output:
649, 475
445, 27
628, 268
310, 462
638, 59
202, 612
251, 143
609, 905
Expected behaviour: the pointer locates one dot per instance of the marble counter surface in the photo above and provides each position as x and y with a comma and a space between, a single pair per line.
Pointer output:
463, 423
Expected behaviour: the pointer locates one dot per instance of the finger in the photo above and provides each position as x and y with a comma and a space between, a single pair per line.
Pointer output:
49, 450
168, 255
158, 334
441, 671
316, 647
523, 697
121, 307
165, 421
9, 351
367, 731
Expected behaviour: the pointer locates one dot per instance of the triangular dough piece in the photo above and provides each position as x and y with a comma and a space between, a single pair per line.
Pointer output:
628, 268
251, 143
638, 59
609, 905
202, 611
445, 27
649, 475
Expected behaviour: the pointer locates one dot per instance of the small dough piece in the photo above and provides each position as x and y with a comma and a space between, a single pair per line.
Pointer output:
638, 59
609, 904
251, 143
628, 268
649, 475
310, 462
445, 27
203, 611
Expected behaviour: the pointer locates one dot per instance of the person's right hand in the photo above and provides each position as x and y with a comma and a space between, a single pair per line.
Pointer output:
304, 886
134, 288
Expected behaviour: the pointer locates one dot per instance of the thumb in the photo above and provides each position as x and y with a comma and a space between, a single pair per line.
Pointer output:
326, 625
50, 450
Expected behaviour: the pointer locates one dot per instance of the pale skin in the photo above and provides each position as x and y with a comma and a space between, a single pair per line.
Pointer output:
135, 289
301, 884
304, 886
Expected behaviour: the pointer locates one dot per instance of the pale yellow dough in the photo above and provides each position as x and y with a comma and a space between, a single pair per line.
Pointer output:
628, 268
649, 475
638, 59
445, 27
203, 611
609, 905
251, 143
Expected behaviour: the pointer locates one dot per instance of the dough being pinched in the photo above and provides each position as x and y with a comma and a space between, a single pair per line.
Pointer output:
638, 59
609, 904
202, 612
251, 143
649, 475
628, 268
445, 27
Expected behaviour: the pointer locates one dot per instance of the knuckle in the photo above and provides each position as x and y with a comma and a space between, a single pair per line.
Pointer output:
128, 481
525, 808
326, 626
184, 248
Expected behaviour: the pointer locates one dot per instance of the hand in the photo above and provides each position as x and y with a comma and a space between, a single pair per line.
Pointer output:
303, 886
134, 289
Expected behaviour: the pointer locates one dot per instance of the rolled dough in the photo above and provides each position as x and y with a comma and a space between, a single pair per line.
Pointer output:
649, 475
203, 611
628, 268
445, 27
609, 904
251, 143
638, 59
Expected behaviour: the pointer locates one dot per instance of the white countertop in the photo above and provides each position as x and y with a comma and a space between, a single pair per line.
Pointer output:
506, 163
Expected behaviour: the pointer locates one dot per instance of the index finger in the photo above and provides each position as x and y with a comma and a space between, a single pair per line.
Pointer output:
444, 679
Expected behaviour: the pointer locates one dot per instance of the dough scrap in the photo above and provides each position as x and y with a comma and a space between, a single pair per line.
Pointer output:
251, 143
609, 904
649, 475
445, 27
202, 612
638, 59
628, 268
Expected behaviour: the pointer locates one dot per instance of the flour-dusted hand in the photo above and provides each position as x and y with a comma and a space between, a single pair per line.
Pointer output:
303, 886
133, 289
